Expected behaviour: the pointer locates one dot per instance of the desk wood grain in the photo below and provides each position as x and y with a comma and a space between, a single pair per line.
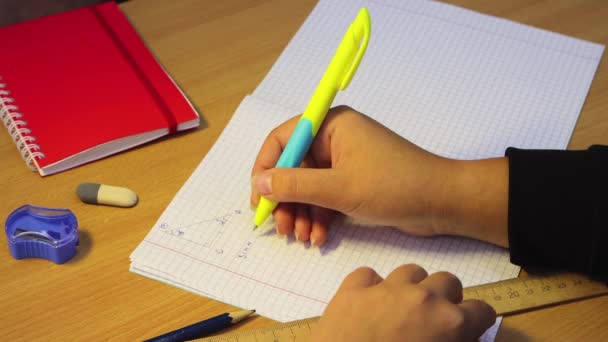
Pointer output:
218, 51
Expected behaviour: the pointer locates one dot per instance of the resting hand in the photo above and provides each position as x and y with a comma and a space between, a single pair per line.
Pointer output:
407, 306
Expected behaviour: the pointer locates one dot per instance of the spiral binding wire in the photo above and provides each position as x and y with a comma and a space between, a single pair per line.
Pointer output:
17, 128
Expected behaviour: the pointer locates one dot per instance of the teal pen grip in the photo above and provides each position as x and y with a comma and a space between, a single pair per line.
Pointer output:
292, 156
298, 145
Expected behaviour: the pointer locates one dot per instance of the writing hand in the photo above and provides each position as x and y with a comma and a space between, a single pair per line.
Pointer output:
360, 168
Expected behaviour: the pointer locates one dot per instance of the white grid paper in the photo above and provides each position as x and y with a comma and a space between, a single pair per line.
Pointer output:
455, 82
455, 77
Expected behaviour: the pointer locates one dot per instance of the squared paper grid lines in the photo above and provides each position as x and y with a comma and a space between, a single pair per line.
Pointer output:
449, 79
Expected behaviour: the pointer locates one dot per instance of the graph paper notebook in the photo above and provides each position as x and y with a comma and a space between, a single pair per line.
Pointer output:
81, 85
458, 83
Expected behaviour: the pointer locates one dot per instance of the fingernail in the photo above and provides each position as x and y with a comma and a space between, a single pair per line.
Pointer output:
263, 182
297, 235
281, 236
313, 240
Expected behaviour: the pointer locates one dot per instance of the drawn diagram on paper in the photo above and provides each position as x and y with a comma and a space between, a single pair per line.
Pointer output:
213, 229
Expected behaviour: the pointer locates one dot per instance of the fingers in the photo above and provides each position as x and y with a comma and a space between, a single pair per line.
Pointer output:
302, 224
271, 151
444, 284
361, 277
411, 274
322, 187
273, 145
306, 222
321, 218
478, 317
284, 218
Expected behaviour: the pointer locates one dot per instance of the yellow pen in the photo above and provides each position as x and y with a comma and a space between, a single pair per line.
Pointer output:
337, 77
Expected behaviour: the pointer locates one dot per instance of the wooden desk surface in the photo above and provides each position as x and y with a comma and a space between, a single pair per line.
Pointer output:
218, 51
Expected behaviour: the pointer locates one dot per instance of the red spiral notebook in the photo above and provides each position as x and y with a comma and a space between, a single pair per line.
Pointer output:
81, 85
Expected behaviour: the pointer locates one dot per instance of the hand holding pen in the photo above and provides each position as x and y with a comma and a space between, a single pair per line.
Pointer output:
358, 167
339, 73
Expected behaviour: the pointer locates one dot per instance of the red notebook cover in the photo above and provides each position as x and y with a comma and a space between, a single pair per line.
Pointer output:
81, 85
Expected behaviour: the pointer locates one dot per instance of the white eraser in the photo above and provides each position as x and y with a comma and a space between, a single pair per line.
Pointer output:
95, 193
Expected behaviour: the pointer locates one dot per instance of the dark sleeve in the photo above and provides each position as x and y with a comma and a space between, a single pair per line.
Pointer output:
558, 209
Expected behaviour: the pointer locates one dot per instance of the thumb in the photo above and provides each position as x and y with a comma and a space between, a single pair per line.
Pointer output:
320, 187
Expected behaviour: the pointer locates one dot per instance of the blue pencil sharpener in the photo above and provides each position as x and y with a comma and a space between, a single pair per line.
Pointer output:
37, 232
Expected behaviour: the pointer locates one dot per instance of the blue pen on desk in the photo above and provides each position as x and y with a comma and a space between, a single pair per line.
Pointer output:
203, 328
337, 77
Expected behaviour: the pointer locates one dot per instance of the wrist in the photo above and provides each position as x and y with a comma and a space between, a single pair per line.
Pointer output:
474, 200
